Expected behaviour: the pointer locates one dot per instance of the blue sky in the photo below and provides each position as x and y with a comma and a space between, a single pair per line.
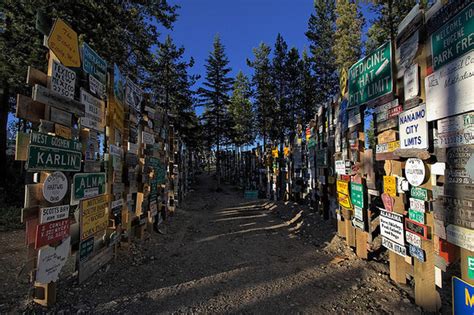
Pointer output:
242, 25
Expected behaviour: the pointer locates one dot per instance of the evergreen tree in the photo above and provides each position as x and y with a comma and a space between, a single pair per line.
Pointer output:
294, 77
280, 83
266, 114
241, 111
321, 29
308, 89
348, 37
389, 15
215, 98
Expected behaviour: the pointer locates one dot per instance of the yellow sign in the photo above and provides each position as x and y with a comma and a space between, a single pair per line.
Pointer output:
392, 146
63, 42
94, 216
390, 185
275, 153
343, 82
62, 131
344, 200
342, 187
286, 151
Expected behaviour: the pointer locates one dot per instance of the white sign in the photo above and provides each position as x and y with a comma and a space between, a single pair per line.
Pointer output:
413, 128
418, 205
358, 213
51, 260
394, 247
54, 213
391, 226
411, 85
55, 187
133, 95
116, 151
148, 138
449, 91
94, 107
413, 239
415, 171
455, 131
63, 80
132, 148
96, 87
460, 236
340, 166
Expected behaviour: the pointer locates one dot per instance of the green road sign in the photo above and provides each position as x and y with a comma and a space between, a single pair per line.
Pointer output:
417, 216
454, 38
45, 140
371, 77
419, 193
88, 185
357, 194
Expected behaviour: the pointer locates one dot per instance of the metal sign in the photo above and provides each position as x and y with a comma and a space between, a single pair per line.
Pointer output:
94, 217
55, 187
357, 194
455, 131
413, 128
416, 216
419, 193
413, 238
463, 297
86, 247
93, 64
55, 213
390, 185
88, 185
371, 77
453, 39
51, 232
391, 226
394, 247
416, 228
148, 138
63, 80
415, 171
417, 204
94, 112
63, 42
416, 252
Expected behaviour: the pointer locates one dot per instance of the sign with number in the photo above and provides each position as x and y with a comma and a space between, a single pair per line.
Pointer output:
51, 232
460, 236
413, 238
416, 252
88, 185
413, 128
455, 131
371, 77
63, 80
419, 193
416, 228
63, 42
416, 216
55, 187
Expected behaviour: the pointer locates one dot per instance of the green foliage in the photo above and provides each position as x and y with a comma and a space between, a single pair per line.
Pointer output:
241, 111
308, 89
348, 37
280, 84
295, 78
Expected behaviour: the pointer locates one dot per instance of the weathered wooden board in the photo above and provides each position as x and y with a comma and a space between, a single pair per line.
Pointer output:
27, 108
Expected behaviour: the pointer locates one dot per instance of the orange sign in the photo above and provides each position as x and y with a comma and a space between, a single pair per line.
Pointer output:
63, 42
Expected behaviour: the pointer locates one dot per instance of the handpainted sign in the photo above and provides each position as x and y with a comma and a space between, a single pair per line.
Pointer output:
371, 77
133, 95
88, 185
394, 247
416, 216
387, 201
416, 252
411, 82
94, 112
454, 38
388, 110
342, 187
415, 171
413, 238
419, 193
416, 228
460, 166
413, 128
390, 185
460, 236
53, 153
455, 131
93, 64
63, 80
55, 213
51, 260
357, 194
55, 187
344, 200
63, 42
449, 90
463, 297
391, 226
51, 232
97, 87
94, 217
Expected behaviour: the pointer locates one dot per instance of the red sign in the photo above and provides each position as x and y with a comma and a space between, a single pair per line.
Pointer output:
416, 228
388, 202
395, 111
51, 232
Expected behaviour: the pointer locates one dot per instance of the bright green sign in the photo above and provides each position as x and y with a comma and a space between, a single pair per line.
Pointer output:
357, 194
470, 267
419, 193
371, 77
417, 216
454, 38
88, 185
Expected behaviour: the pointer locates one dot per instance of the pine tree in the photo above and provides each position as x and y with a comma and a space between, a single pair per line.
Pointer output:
308, 89
321, 29
348, 37
294, 77
280, 83
389, 15
241, 111
266, 114
215, 98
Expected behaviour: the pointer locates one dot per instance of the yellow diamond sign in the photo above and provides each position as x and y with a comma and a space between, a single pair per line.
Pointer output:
63, 42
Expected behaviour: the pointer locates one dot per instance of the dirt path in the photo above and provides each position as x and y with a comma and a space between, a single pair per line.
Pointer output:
223, 254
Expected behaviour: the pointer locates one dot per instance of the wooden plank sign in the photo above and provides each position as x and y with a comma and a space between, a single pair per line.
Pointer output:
63, 42
94, 112
460, 236
94, 218
88, 267
51, 232
53, 99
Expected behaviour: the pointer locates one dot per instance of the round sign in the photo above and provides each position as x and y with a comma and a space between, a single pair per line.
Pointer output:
415, 171
55, 187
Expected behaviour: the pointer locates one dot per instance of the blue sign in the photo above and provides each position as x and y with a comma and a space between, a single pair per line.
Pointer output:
463, 297
416, 252
93, 64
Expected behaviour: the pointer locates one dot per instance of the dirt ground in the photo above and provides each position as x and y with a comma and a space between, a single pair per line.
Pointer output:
223, 254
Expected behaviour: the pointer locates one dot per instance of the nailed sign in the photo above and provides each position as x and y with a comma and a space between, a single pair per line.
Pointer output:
51, 260
55, 187
394, 247
463, 296
63, 80
371, 77
87, 185
413, 128
415, 171
390, 185
411, 82
53, 213
416, 252
413, 238
416, 228
133, 95
51, 232
357, 194
460, 167
454, 38
63, 42
94, 217
455, 131
391, 226
94, 110
93, 64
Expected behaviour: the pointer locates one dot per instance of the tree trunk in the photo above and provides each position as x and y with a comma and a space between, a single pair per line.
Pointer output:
4, 110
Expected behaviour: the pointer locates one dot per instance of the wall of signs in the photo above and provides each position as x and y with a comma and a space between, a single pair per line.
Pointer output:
98, 163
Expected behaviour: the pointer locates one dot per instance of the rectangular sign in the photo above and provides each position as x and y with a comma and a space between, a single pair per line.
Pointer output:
417, 204
413, 128
88, 185
394, 247
86, 247
416, 252
53, 99
419, 193
133, 95
463, 297
460, 236
51, 232
413, 239
53, 213
357, 194
93, 64
416, 228
416, 216
63, 80
94, 112
391, 226
411, 82
454, 38
387, 147
148, 138
94, 217
455, 131
449, 90
460, 166
390, 185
